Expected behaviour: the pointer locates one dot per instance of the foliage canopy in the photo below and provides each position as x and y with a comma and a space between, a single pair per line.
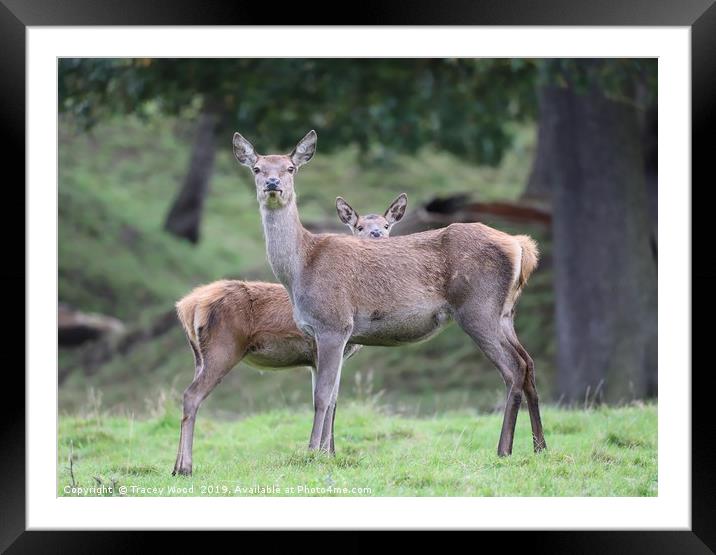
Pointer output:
464, 106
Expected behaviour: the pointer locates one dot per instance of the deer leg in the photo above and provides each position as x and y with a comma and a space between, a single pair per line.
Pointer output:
216, 364
513, 370
333, 435
198, 365
530, 389
327, 431
327, 437
487, 333
328, 371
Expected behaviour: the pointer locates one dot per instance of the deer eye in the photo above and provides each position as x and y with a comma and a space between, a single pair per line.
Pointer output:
291, 169
360, 228
387, 225
257, 170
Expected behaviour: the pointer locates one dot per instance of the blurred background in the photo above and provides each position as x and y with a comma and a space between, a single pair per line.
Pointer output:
152, 203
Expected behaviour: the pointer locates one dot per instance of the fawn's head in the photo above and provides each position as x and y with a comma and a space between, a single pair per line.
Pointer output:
372, 226
274, 173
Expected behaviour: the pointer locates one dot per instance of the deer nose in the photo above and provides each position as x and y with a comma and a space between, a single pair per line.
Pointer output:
375, 233
272, 183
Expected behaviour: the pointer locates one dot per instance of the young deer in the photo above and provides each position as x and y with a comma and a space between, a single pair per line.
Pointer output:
400, 290
229, 321
372, 225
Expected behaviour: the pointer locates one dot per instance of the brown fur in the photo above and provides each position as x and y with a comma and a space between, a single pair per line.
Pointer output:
255, 312
382, 276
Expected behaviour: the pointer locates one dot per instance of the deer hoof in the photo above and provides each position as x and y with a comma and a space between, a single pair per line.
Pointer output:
181, 472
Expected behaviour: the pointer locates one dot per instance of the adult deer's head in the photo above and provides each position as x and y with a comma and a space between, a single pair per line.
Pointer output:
372, 226
274, 173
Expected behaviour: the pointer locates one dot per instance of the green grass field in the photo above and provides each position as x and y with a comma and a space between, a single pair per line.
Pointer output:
597, 452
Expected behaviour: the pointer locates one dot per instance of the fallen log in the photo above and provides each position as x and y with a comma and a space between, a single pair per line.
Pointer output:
443, 211
75, 327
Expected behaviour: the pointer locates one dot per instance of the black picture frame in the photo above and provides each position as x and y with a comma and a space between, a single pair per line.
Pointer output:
699, 15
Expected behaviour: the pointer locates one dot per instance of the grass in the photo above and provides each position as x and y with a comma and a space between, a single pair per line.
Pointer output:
598, 452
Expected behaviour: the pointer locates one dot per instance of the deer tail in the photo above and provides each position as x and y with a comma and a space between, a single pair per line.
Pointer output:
186, 310
530, 257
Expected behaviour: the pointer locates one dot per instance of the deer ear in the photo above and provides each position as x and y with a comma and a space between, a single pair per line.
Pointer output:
346, 213
396, 210
244, 151
305, 149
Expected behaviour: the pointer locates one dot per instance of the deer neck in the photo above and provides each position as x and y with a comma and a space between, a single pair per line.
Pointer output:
285, 238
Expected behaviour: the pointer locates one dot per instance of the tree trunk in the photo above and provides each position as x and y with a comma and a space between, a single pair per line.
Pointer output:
651, 159
184, 217
539, 186
605, 283
650, 140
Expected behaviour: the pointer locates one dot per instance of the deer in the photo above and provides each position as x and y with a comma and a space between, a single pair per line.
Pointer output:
230, 321
394, 291
373, 226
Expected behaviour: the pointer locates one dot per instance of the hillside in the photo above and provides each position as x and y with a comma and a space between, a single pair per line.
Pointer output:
115, 187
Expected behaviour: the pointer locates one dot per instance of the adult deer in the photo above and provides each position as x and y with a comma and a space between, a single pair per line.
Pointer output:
401, 290
230, 321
